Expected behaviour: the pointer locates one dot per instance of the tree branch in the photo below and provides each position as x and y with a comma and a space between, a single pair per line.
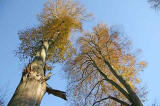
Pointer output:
57, 93
134, 98
92, 90
113, 98
111, 81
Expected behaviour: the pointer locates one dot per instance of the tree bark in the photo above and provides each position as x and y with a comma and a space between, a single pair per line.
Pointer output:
32, 86
29, 92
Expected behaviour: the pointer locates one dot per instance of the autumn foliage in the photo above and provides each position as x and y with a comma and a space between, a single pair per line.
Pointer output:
91, 78
58, 20
105, 70
45, 44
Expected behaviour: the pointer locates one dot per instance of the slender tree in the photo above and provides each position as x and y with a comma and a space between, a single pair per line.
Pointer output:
46, 44
105, 71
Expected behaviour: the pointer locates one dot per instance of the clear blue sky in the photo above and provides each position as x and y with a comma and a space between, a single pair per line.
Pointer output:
134, 17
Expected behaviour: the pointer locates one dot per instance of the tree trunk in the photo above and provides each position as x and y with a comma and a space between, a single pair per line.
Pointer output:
32, 86
135, 99
29, 92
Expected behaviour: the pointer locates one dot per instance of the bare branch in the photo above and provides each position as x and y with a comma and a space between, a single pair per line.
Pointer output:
92, 90
48, 76
113, 98
57, 93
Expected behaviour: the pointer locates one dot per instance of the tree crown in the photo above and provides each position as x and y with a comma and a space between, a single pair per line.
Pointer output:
58, 20
102, 43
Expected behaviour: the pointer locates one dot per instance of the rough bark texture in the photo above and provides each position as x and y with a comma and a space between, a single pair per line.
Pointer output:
32, 86
31, 89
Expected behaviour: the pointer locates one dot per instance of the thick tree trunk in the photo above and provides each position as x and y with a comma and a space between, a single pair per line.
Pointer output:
32, 86
29, 92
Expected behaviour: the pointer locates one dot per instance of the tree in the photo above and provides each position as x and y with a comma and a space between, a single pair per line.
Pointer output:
105, 71
154, 3
46, 44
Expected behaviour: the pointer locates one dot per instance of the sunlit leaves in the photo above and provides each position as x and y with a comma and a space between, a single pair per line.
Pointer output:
94, 47
58, 20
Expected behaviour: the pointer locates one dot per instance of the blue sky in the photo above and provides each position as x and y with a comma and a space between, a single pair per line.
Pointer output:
134, 17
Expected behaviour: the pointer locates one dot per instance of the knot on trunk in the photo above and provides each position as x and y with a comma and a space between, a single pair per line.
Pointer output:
30, 73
